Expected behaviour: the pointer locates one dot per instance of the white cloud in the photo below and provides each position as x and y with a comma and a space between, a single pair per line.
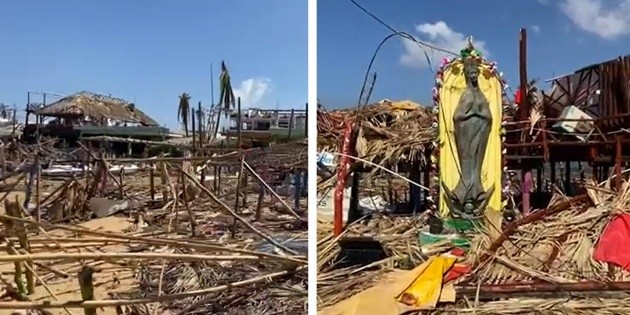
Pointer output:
536, 29
591, 16
439, 35
253, 91
543, 2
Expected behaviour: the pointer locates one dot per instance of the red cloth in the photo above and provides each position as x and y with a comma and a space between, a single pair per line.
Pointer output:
457, 270
613, 243
517, 97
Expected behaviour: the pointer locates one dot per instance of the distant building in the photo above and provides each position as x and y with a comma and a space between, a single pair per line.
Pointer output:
266, 125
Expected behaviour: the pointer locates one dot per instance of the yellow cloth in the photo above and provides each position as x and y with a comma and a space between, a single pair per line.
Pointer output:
381, 298
426, 289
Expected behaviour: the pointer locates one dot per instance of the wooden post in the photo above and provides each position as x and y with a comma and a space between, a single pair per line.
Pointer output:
200, 139
261, 194
28, 107
215, 179
192, 116
618, 160
342, 171
291, 122
191, 217
427, 173
38, 189
19, 272
86, 282
87, 164
306, 121
238, 192
523, 114
18, 228
165, 184
203, 174
239, 124
121, 188
152, 179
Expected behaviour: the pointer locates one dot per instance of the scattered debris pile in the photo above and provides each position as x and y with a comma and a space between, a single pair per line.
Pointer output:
389, 133
179, 235
565, 259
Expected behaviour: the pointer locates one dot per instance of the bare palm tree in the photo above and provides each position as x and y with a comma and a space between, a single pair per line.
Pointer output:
227, 100
226, 97
183, 111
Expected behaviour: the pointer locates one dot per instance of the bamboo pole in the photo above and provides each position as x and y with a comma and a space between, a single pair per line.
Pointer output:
39, 305
38, 189
17, 275
191, 217
18, 229
152, 179
236, 216
121, 176
189, 243
124, 255
261, 181
238, 193
291, 122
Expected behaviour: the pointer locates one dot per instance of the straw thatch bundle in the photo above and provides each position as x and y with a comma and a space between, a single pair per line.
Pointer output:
557, 248
96, 107
389, 132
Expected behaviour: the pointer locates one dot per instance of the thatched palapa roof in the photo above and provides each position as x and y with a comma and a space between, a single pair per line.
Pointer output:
96, 107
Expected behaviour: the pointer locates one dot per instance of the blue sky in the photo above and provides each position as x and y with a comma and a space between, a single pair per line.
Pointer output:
563, 36
149, 52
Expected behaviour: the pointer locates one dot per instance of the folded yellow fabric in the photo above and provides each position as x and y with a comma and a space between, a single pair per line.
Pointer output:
421, 283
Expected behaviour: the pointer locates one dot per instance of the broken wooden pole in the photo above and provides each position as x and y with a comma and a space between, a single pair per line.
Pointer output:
187, 205
86, 282
297, 186
239, 125
273, 193
215, 185
291, 122
38, 189
165, 184
238, 192
201, 138
18, 274
18, 228
121, 189
261, 194
225, 207
194, 143
152, 179
306, 120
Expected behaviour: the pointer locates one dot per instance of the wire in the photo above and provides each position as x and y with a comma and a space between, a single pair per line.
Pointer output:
380, 21
395, 32
382, 168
